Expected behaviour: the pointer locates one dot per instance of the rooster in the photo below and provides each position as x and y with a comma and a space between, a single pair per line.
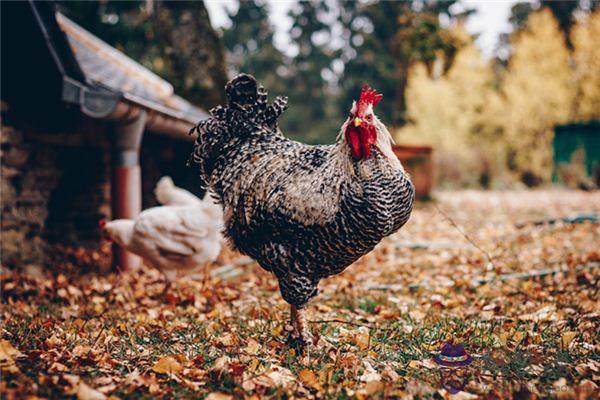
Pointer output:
303, 212
182, 236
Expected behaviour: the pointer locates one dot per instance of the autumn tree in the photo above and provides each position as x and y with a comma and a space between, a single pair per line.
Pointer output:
383, 39
307, 87
586, 58
250, 46
538, 94
450, 112
563, 10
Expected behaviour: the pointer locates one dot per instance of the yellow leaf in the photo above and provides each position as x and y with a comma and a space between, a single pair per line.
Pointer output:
309, 378
252, 347
518, 336
362, 338
373, 387
413, 364
253, 365
219, 396
85, 392
276, 331
566, 339
417, 315
226, 340
503, 337
7, 352
167, 365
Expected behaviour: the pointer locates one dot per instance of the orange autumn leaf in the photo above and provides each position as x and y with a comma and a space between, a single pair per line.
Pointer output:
566, 339
309, 378
167, 365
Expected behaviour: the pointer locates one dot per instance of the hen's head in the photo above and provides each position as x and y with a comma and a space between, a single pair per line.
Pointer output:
361, 127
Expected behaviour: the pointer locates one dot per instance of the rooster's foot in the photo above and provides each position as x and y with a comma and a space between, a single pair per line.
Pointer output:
300, 337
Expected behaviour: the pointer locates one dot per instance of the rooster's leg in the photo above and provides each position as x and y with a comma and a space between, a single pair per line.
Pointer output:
299, 331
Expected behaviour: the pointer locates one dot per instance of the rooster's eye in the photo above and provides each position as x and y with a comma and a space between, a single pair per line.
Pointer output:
369, 117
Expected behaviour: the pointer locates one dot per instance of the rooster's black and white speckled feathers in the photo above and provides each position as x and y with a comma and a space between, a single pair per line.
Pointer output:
303, 212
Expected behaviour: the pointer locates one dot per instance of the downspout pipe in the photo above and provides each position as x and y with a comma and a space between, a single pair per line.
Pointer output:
126, 184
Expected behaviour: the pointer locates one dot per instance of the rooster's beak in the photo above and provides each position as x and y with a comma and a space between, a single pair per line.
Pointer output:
357, 121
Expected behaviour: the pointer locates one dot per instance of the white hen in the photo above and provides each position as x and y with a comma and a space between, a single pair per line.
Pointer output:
170, 195
180, 237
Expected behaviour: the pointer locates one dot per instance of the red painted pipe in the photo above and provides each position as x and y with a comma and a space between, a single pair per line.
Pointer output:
126, 185
127, 204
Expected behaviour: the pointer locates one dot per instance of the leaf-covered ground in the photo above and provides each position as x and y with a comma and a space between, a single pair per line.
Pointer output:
470, 268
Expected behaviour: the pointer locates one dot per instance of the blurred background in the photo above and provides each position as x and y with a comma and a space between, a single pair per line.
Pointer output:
485, 83
98, 96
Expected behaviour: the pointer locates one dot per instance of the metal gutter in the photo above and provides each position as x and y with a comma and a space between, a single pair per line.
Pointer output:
101, 103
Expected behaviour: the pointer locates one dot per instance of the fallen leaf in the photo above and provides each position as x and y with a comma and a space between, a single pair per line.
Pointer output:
585, 389
390, 374
167, 365
221, 363
252, 347
566, 339
370, 374
280, 376
417, 315
309, 378
373, 387
7, 355
362, 338
86, 392
219, 396
226, 340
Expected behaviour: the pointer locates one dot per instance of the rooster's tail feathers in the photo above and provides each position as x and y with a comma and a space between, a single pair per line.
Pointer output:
242, 92
247, 112
246, 94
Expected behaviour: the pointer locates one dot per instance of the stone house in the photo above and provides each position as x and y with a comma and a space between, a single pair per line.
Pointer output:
86, 133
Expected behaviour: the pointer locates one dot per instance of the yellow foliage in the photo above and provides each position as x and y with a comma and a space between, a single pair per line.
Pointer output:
482, 125
586, 57
447, 111
538, 92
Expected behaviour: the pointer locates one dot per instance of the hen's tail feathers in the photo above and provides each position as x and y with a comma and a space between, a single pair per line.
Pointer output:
170, 195
163, 189
247, 111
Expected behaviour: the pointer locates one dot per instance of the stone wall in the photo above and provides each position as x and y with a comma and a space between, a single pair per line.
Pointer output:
54, 189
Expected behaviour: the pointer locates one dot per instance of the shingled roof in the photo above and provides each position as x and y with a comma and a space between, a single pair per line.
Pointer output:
103, 65
50, 64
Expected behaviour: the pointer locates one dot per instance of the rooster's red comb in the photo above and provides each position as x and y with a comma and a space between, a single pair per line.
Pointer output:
369, 96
